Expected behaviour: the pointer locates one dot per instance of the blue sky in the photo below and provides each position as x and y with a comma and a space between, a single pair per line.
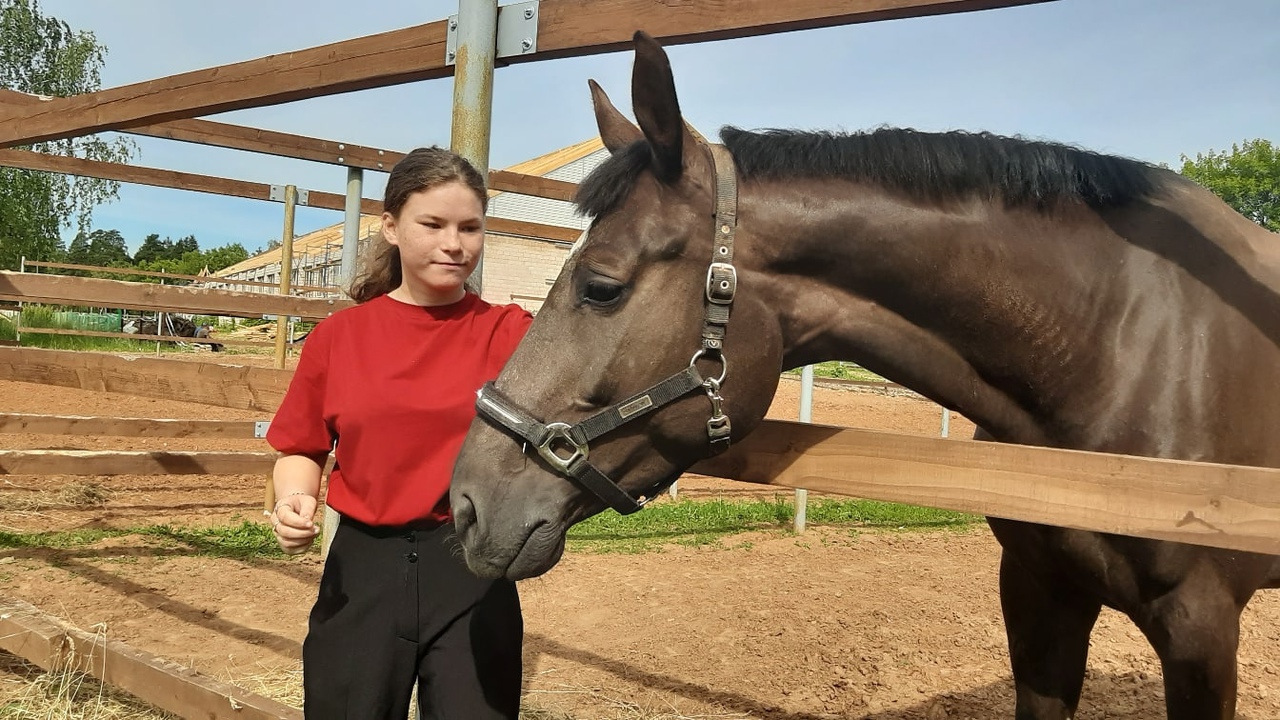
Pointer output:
1149, 79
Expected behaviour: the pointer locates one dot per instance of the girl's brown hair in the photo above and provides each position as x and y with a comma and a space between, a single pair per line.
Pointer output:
422, 169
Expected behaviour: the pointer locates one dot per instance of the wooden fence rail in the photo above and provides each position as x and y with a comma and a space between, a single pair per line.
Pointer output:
233, 386
56, 646
134, 462
208, 280
96, 292
148, 338
34, 424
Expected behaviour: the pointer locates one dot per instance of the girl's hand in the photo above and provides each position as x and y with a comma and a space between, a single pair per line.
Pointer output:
292, 522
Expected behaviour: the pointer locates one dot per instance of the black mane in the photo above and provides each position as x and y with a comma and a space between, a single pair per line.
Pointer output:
925, 166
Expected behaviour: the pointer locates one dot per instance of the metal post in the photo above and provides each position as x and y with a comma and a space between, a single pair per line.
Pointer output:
351, 227
473, 88
17, 321
806, 415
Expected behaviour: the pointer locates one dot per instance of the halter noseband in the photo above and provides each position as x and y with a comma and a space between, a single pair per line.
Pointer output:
566, 447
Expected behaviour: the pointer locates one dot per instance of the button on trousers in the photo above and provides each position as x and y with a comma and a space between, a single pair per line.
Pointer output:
398, 605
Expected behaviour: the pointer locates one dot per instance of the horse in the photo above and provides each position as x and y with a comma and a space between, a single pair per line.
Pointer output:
1056, 296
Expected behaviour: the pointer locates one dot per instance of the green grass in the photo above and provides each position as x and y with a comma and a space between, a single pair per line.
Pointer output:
842, 371
705, 522
694, 523
43, 316
244, 541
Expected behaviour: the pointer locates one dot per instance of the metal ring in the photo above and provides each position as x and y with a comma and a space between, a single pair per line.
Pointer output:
724, 363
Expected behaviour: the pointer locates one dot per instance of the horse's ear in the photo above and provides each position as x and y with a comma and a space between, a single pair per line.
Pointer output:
616, 130
653, 99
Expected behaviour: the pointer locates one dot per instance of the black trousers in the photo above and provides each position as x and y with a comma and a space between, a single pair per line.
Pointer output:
398, 605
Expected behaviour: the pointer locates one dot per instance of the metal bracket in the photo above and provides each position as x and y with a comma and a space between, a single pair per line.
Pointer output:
260, 428
517, 32
277, 194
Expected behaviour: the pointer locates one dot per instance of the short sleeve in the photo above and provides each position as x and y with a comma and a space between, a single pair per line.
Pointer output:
299, 426
512, 326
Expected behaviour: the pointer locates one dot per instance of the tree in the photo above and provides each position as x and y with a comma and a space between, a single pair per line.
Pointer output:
183, 246
153, 248
44, 56
107, 247
1247, 179
225, 256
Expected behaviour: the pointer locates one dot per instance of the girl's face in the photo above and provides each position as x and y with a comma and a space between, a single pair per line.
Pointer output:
440, 233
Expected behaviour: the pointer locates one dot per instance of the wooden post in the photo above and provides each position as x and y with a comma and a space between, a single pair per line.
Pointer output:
282, 320
286, 272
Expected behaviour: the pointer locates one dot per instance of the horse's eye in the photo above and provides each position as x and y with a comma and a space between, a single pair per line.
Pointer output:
601, 292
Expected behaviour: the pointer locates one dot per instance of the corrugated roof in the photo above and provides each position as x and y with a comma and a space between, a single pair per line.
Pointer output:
313, 243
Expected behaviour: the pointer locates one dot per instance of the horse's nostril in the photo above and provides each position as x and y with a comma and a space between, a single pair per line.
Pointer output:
464, 511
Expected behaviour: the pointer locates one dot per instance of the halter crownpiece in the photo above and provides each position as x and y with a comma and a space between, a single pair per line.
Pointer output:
566, 447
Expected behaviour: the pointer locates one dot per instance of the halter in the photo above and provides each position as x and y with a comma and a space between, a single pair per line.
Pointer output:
566, 447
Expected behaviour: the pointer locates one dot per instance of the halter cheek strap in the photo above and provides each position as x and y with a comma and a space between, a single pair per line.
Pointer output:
566, 447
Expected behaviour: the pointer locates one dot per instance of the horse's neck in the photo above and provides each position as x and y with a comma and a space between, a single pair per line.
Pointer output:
1033, 325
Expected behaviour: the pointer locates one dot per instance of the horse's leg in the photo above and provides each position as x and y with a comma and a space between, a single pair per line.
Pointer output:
1048, 626
1195, 629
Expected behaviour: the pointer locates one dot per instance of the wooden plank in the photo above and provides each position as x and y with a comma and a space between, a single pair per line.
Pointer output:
125, 427
506, 181
25, 330
236, 188
97, 292
54, 646
134, 462
502, 226
236, 137
234, 386
1226, 506
207, 279
566, 28
173, 179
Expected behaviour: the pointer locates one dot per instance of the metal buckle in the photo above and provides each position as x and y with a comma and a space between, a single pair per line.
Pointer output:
720, 290
724, 364
560, 431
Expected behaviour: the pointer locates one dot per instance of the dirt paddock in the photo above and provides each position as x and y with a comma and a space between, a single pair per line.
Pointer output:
828, 624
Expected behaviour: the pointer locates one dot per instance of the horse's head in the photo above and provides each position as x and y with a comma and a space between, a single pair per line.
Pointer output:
630, 373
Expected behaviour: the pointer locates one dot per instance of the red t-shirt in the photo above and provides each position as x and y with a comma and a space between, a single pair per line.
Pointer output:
392, 387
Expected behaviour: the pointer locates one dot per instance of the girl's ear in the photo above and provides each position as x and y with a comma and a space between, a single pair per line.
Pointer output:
389, 229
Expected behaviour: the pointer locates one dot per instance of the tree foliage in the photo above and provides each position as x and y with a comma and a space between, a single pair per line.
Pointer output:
1247, 179
42, 55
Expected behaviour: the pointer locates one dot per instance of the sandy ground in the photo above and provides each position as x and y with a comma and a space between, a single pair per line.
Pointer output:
828, 624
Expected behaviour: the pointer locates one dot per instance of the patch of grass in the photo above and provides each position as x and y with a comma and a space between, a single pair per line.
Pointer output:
701, 523
247, 540
841, 370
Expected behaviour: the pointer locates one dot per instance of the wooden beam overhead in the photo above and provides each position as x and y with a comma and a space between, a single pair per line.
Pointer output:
1227, 506
155, 177
96, 292
505, 181
261, 191
233, 386
207, 132
567, 28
